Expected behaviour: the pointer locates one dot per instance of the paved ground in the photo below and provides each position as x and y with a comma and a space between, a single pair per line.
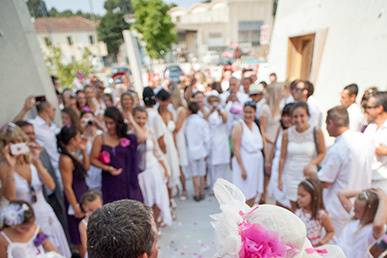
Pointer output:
191, 235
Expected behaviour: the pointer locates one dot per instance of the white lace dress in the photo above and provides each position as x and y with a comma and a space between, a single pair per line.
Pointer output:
172, 155
301, 150
45, 216
152, 181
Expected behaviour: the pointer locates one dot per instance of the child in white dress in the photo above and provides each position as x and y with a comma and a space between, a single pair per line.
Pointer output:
20, 236
90, 202
319, 227
368, 224
197, 137
219, 158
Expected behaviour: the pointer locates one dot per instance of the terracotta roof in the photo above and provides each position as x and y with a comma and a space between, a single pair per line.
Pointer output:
63, 24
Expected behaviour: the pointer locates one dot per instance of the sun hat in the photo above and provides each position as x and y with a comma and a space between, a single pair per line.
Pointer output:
265, 231
256, 88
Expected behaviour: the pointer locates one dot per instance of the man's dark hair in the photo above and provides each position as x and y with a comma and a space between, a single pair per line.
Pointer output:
339, 116
381, 99
41, 106
121, 229
22, 123
309, 87
193, 107
352, 89
273, 74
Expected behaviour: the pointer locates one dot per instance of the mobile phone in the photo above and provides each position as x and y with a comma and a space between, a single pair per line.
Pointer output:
40, 98
19, 149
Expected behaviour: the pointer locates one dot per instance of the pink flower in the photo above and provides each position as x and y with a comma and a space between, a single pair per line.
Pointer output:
124, 142
257, 242
104, 157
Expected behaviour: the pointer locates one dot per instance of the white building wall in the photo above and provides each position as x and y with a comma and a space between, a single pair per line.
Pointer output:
22, 70
80, 42
355, 49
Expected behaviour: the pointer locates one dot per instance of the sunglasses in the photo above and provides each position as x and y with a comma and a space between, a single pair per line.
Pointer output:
34, 197
369, 107
299, 89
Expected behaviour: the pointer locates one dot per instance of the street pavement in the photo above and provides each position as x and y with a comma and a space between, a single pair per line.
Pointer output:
191, 235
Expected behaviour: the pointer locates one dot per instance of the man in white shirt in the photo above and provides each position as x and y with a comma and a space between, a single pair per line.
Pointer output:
233, 100
303, 91
46, 130
376, 110
233, 90
348, 100
347, 165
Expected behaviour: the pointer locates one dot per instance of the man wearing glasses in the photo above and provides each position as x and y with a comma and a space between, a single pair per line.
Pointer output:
303, 91
376, 110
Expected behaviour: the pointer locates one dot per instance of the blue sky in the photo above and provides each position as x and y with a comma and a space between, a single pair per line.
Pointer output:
84, 5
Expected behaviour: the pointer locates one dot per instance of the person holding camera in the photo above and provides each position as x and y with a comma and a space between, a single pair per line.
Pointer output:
89, 132
219, 157
29, 175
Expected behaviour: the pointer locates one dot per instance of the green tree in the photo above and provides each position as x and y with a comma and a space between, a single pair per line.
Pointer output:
67, 72
113, 23
37, 8
155, 25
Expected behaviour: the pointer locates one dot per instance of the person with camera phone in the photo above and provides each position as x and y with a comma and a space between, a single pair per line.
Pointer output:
22, 161
89, 132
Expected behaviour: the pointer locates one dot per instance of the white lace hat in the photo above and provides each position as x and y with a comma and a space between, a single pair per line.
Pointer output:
286, 227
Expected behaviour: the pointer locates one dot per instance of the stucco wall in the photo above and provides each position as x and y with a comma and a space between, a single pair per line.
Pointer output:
355, 48
22, 71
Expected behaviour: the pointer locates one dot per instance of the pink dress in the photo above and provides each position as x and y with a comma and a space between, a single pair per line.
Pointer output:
314, 229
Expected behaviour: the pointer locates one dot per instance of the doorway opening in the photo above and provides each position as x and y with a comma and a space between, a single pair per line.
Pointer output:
300, 56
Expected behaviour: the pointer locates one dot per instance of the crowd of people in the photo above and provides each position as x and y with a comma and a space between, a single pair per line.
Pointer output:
265, 137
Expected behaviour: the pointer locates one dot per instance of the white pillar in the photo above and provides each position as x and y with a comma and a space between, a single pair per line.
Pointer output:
134, 59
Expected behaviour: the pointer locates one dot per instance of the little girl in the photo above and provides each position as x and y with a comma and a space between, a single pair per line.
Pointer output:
368, 224
90, 201
20, 236
311, 211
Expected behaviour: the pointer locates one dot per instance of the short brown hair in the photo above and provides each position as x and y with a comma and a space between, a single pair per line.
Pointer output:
339, 116
121, 229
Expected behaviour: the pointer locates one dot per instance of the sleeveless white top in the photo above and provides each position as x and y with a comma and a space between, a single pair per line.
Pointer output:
301, 150
23, 250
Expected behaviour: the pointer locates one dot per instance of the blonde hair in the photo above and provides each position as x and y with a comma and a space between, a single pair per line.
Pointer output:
274, 96
11, 133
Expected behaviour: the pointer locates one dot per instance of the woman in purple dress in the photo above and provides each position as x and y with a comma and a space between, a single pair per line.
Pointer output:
115, 152
73, 164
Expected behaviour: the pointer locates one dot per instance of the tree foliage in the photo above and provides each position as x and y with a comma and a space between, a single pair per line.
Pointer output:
67, 72
112, 24
37, 8
155, 25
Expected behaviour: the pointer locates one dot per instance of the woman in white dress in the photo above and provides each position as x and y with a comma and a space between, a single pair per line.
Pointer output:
219, 157
302, 146
247, 164
164, 98
29, 173
274, 192
89, 132
152, 179
181, 117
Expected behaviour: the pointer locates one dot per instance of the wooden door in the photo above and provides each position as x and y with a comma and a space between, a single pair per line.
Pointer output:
300, 56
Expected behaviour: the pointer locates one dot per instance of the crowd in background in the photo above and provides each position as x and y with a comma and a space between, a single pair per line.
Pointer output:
265, 137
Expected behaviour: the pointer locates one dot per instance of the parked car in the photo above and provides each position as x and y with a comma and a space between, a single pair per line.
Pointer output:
173, 72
